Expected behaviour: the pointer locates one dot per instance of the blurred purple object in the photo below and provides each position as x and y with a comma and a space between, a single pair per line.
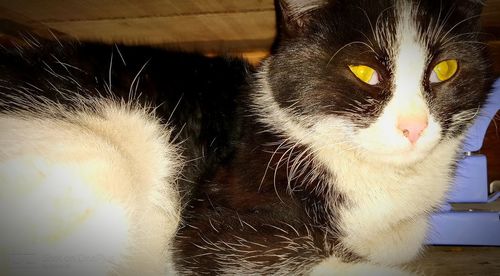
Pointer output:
471, 227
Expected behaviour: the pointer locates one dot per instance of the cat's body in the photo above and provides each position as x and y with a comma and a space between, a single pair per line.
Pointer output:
120, 125
300, 167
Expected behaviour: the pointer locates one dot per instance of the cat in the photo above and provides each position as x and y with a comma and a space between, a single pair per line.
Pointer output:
326, 159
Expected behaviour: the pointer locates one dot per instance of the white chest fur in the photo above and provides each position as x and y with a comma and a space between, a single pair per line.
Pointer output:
385, 217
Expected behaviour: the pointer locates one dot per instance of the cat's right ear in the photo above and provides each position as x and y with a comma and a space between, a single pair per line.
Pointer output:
471, 10
293, 16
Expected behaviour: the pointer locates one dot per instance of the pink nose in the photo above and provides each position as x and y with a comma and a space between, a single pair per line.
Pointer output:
412, 128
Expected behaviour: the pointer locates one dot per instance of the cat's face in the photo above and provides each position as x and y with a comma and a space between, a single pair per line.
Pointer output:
388, 80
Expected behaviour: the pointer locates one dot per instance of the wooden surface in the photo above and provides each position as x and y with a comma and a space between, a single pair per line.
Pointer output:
205, 25
458, 261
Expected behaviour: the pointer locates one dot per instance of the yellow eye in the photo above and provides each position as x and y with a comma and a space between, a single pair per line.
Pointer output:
365, 73
444, 70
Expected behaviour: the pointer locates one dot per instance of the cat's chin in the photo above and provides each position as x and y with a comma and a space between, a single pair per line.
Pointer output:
386, 144
401, 157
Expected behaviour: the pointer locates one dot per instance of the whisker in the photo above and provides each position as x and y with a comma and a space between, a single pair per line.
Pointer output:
458, 24
269, 163
347, 45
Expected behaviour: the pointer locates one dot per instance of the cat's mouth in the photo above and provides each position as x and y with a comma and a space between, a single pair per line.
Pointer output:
379, 142
398, 142
402, 157
397, 150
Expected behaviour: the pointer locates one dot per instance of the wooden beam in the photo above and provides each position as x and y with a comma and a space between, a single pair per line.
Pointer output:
229, 27
71, 10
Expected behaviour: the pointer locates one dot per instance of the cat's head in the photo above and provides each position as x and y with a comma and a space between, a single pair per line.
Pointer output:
386, 79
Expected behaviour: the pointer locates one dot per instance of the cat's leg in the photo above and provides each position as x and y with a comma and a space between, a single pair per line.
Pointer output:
399, 244
395, 246
90, 192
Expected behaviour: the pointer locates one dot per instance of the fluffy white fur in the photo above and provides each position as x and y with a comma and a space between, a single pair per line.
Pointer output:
86, 192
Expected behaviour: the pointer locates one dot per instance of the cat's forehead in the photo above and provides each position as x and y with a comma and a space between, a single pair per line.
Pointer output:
427, 10
378, 21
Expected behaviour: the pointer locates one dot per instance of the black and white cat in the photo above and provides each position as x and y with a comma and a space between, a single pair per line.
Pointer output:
326, 159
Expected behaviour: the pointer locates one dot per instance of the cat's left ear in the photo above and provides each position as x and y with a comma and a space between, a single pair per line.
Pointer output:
292, 16
470, 9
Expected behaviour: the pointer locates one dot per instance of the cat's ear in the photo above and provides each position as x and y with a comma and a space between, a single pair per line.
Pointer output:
292, 16
471, 9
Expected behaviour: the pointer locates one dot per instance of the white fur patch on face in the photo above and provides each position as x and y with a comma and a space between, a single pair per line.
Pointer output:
385, 138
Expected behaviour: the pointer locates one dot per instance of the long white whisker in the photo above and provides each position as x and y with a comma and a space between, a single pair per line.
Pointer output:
130, 93
347, 45
269, 163
458, 24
